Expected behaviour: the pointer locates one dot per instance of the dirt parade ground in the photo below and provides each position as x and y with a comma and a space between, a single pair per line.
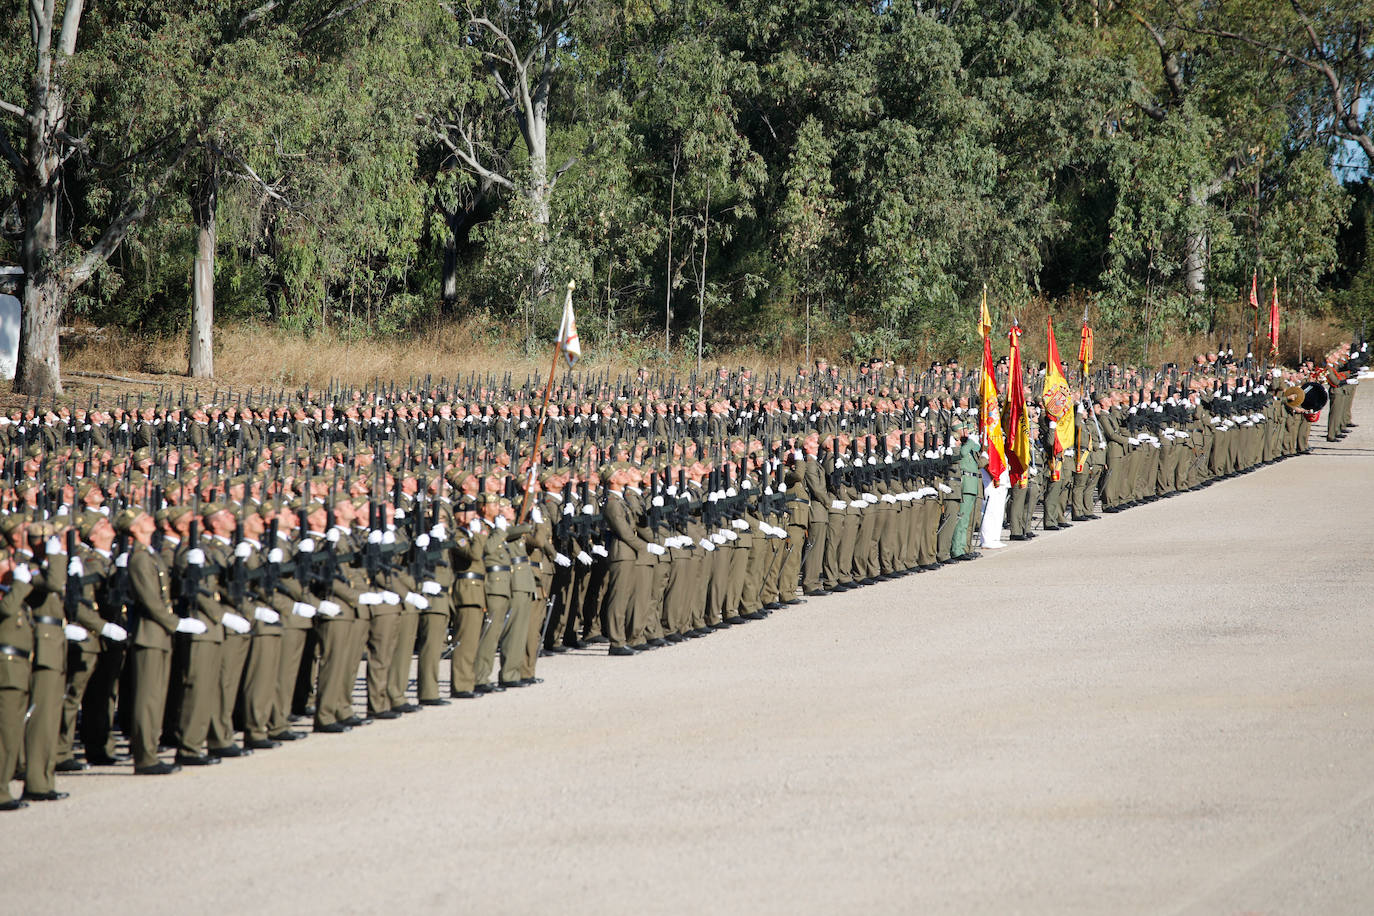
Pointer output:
1170, 710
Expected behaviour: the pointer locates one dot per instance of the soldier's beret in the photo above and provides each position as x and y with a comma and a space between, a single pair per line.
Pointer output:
125, 518
33, 451
212, 508
12, 522
142, 453
41, 529
86, 522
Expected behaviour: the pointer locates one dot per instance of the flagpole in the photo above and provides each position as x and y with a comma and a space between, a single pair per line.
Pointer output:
539, 428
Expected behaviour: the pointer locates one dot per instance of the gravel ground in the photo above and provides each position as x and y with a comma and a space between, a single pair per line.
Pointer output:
1169, 710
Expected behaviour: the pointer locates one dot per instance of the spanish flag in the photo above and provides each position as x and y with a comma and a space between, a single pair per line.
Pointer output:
990, 414
1058, 401
1085, 348
1018, 422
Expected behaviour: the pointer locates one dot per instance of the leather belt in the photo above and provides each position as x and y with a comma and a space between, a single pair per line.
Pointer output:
470, 575
519, 561
496, 569
50, 621
15, 652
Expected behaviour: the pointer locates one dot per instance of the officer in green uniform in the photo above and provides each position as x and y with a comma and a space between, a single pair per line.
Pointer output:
16, 654
971, 463
154, 624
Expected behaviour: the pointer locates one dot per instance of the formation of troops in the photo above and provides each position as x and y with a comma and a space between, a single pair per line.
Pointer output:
207, 578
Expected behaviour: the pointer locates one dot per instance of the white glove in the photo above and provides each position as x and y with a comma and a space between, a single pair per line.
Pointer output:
275, 555
22, 573
501, 522
562, 560
599, 550
242, 550
1133, 441
195, 557
417, 601
718, 538
858, 504
307, 546
569, 509
584, 558
122, 561
333, 535
655, 549
589, 509
1182, 435
945, 489
301, 609
657, 501
54, 545
430, 587
422, 541
438, 532
374, 537
266, 615
780, 534
190, 625
707, 544
475, 526
739, 524
114, 631
75, 567
368, 599
536, 516
388, 537
888, 498
330, 609
236, 623
391, 598
838, 504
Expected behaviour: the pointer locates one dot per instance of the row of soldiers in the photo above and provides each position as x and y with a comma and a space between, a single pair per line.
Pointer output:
189, 594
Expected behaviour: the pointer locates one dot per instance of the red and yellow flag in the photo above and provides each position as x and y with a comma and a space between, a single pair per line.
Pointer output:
1085, 361
1085, 349
1254, 291
1274, 321
1018, 422
1058, 401
990, 414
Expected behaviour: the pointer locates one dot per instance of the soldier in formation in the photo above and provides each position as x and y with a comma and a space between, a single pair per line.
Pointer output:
208, 578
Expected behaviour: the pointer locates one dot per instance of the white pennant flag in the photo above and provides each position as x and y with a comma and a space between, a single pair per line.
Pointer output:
567, 331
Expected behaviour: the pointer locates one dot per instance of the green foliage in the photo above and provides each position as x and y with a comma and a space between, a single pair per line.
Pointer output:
763, 171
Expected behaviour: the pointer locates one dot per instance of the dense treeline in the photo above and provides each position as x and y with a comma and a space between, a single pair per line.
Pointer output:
707, 171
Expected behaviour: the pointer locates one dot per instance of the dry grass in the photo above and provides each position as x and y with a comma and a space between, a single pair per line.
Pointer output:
254, 356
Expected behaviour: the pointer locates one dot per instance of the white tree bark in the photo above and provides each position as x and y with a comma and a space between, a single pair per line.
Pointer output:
201, 358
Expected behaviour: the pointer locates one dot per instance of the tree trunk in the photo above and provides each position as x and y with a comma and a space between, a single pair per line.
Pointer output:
1196, 242
1195, 264
668, 280
203, 204
701, 285
537, 194
38, 370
